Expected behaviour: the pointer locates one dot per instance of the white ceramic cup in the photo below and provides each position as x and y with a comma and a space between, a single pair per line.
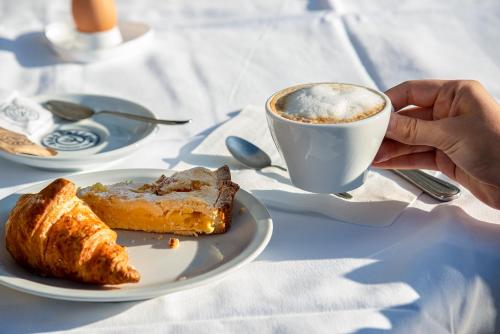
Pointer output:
327, 157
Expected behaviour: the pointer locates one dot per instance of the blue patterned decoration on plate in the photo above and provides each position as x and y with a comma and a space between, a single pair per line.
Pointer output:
71, 140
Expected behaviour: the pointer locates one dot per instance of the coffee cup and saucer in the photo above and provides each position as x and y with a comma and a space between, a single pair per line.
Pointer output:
328, 133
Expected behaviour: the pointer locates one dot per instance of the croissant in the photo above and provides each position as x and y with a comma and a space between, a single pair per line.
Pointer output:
54, 233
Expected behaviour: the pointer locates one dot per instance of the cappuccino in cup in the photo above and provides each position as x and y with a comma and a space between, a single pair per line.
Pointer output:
328, 133
328, 103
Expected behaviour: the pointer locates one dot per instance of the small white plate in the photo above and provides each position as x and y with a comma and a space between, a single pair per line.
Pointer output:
93, 141
62, 38
197, 261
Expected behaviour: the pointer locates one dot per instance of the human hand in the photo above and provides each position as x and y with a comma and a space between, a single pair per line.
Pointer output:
453, 127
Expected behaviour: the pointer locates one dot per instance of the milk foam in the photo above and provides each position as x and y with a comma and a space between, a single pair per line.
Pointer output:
332, 101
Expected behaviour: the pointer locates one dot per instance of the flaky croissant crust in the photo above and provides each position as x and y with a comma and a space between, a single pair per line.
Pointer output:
54, 233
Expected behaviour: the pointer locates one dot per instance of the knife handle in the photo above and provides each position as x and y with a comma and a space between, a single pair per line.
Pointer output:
439, 189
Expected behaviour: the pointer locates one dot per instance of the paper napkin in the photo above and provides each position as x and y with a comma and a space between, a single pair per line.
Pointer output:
23, 115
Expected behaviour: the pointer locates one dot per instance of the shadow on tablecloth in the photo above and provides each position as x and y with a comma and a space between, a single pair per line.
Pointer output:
14, 174
65, 315
210, 161
31, 50
452, 264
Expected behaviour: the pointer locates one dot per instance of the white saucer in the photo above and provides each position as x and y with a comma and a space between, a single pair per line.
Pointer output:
90, 142
198, 260
62, 38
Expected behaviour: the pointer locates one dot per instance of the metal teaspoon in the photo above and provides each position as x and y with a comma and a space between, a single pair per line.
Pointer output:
75, 112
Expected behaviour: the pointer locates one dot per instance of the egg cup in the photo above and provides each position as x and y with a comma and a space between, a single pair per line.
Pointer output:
98, 40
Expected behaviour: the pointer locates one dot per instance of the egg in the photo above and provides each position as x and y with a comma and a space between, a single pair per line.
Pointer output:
94, 15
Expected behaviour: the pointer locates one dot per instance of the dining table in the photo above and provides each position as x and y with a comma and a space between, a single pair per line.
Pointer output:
434, 268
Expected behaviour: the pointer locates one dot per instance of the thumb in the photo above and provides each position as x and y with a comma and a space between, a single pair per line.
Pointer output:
414, 131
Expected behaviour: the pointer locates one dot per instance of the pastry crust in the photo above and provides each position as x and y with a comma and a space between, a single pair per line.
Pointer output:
54, 233
191, 202
224, 203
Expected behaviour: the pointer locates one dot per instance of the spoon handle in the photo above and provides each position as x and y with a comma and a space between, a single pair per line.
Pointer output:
144, 118
279, 167
344, 195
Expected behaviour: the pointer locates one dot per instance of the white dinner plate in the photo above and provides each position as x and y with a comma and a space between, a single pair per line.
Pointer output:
90, 142
197, 261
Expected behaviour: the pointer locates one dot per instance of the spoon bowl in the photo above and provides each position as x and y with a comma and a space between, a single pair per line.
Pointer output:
247, 153
77, 111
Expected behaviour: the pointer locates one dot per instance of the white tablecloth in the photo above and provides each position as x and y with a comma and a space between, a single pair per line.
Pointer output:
435, 270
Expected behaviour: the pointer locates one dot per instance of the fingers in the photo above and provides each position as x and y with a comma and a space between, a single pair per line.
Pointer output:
417, 112
422, 93
425, 160
414, 131
391, 149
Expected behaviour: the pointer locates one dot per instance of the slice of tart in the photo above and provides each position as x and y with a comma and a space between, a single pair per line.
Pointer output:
191, 202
